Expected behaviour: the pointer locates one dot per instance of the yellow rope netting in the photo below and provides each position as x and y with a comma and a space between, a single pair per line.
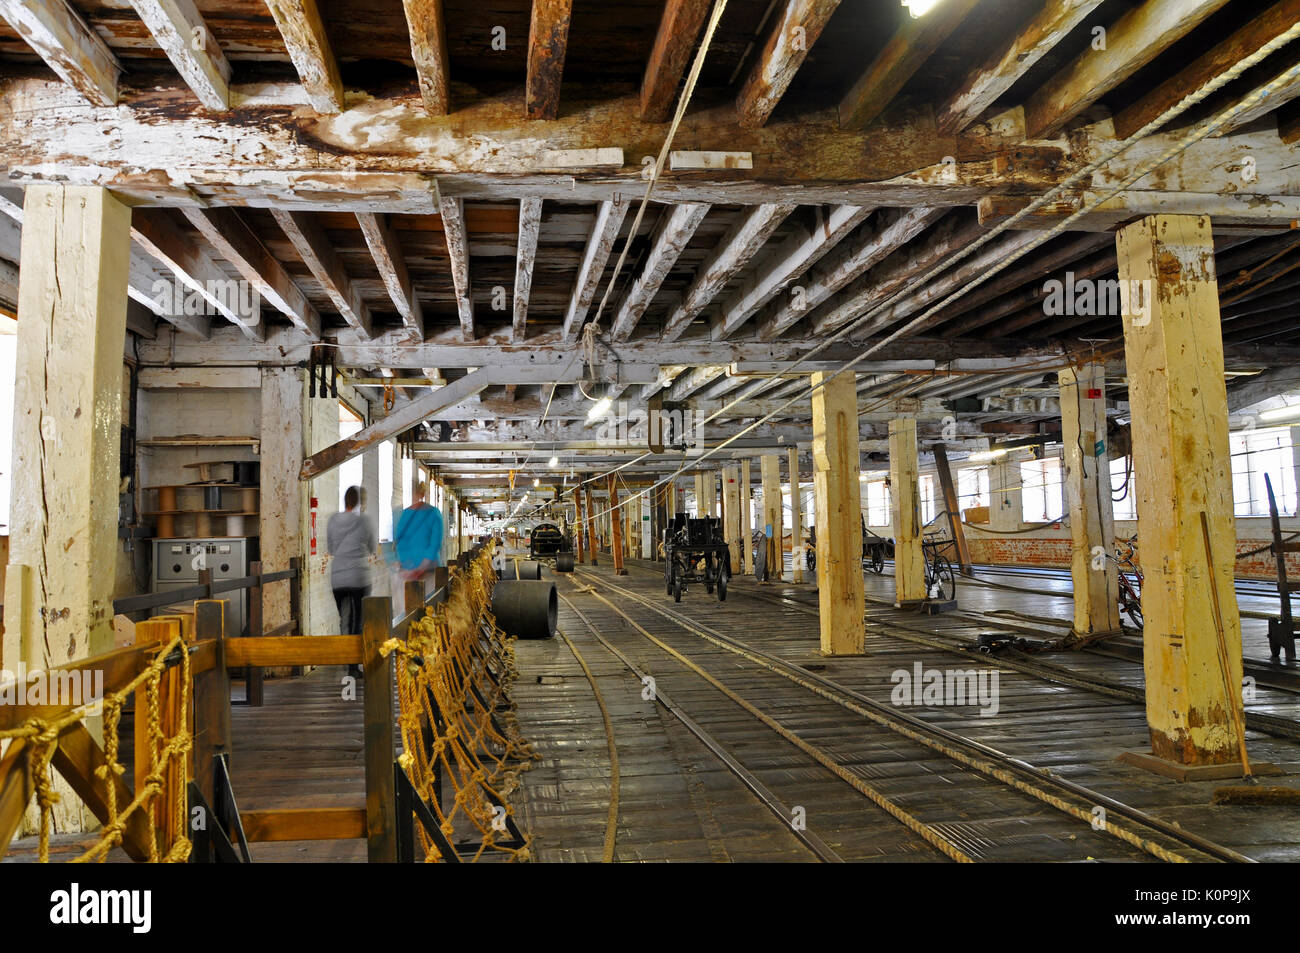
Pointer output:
163, 752
454, 672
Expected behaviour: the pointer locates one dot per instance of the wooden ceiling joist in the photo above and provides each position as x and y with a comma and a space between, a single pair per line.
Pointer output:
904, 54
895, 229
548, 41
157, 235
309, 49
742, 241
316, 252
391, 264
180, 32
783, 264
1005, 67
530, 222
1136, 39
604, 232
428, 29
798, 26
679, 28
238, 245
667, 243
453, 229
58, 35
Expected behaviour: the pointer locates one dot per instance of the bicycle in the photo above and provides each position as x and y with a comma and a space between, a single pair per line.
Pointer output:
1130, 595
940, 580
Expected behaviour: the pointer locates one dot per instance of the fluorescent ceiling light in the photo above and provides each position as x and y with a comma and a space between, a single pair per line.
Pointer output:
1280, 413
598, 409
555, 462
919, 8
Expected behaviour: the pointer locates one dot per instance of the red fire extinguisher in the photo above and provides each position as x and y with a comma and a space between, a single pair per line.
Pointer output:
314, 504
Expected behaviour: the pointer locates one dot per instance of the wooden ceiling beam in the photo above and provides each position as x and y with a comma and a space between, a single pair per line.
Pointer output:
386, 252
891, 277
453, 229
799, 25
309, 48
904, 54
530, 222
548, 41
1135, 40
742, 241
316, 252
58, 35
604, 232
239, 246
895, 229
982, 88
669, 240
181, 33
679, 28
783, 264
154, 231
428, 29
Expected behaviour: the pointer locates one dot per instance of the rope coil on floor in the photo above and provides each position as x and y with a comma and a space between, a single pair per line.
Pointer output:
165, 753
454, 673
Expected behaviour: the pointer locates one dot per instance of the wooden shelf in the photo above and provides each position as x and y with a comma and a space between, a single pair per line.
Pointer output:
194, 440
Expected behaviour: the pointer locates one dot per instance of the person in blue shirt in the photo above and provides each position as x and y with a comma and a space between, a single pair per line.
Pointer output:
417, 538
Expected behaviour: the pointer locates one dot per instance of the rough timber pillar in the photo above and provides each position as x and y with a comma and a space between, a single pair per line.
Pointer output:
1087, 497
700, 510
67, 426
905, 501
770, 464
796, 520
746, 519
579, 527
283, 497
731, 527
616, 526
591, 527
840, 589
1173, 344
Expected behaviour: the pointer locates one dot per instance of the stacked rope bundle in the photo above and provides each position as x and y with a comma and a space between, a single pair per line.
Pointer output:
454, 672
166, 754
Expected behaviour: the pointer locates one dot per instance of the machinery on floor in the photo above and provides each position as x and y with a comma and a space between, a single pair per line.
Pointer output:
695, 551
551, 545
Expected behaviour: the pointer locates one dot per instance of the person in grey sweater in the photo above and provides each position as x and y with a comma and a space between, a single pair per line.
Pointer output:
350, 539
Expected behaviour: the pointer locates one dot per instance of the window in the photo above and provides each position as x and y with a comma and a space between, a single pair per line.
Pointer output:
351, 473
1260, 453
1123, 491
878, 504
926, 485
972, 487
384, 505
1040, 491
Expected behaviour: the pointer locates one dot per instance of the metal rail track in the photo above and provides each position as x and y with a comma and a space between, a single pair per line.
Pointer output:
1273, 725
1159, 838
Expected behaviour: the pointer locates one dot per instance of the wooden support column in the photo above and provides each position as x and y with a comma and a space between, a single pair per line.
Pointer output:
579, 527
1088, 500
746, 518
284, 502
951, 505
615, 527
731, 527
67, 426
591, 526
841, 596
699, 496
211, 696
905, 501
770, 463
796, 520
377, 699
1173, 344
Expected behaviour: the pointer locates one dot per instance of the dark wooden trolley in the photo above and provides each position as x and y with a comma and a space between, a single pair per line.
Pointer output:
694, 551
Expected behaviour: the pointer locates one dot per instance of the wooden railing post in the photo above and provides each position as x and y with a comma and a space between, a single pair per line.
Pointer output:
253, 676
211, 695
376, 624
413, 595
169, 696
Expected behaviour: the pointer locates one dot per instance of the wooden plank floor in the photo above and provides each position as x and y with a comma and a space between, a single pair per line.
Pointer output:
1075, 732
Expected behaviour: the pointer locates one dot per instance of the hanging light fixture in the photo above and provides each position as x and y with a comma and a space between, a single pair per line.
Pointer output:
919, 8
